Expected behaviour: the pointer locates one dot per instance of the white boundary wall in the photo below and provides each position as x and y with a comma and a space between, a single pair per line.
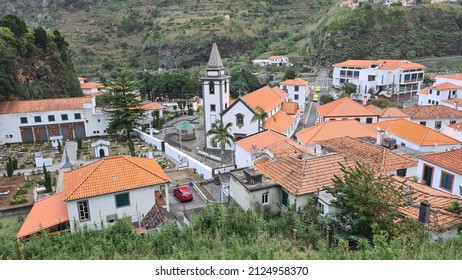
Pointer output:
177, 155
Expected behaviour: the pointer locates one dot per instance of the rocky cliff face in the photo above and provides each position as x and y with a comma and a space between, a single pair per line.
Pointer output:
43, 9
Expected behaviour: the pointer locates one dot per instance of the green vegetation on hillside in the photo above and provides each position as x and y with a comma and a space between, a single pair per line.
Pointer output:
34, 63
389, 33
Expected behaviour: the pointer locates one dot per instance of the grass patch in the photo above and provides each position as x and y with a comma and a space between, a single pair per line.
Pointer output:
9, 227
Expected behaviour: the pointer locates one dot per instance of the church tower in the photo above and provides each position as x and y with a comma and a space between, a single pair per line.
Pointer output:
215, 92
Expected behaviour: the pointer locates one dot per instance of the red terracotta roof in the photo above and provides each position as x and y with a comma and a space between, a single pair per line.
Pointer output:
290, 108
425, 91
454, 100
440, 219
335, 129
383, 64
112, 174
279, 122
261, 140
294, 82
451, 76
266, 97
432, 112
456, 126
393, 112
287, 148
450, 160
445, 86
416, 133
277, 56
151, 106
44, 214
362, 151
43, 105
91, 85
345, 107
304, 176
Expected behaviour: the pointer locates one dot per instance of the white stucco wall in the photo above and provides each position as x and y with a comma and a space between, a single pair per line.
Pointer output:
243, 157
432, 122
424, 149
141, 201
436, 180
454, 133
247, 199
248, 128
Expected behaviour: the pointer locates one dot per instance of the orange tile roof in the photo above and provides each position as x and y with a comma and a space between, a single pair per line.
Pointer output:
43, 105
90, 85
304, 176
277, 56
151, 106
457, 76
266, 97
45, 213
450, 160
112, 174
440, 219
335, 129
294, 82
425, 91
362, 151
393, 112
432, 112
383, 64
454, 100
261, 140
445, 86
416, 133
374, 108
345, 107
456, 126
287, 148
279, 122
82, 78
290, 108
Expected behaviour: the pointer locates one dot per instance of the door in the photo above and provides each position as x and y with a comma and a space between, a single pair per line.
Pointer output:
101, 153
79, 131
27, 135
427, 175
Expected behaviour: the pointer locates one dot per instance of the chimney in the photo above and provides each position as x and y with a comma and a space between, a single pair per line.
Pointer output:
380, 136
364, 100
424, 212
456, 105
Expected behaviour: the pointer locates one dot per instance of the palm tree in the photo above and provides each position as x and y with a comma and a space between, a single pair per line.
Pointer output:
221, 135
260, 116
156, 117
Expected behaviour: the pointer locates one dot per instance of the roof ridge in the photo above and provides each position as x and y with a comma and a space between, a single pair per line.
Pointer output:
142, 167
425, 134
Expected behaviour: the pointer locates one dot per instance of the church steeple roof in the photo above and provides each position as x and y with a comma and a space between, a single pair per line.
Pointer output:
215, 62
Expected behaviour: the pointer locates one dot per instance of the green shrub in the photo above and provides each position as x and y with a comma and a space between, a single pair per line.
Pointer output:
21, 191
18, 199
28, 184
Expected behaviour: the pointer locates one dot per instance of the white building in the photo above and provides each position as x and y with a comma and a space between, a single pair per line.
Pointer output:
283, 116
280, 60
435, 116
446, 90
215, 92
38, 120
417, 137
391, 78
346, 109
442, 171
298, 91
454, 131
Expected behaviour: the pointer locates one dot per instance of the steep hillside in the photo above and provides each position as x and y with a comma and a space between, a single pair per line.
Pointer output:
396, 32
34, 63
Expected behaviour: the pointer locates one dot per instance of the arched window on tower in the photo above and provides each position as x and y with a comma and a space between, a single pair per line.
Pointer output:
212, 88
226, 86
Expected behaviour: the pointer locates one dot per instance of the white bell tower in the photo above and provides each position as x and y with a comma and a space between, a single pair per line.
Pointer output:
215, 92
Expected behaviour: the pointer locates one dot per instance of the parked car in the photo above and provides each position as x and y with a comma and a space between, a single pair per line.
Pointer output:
183, 193
315, 97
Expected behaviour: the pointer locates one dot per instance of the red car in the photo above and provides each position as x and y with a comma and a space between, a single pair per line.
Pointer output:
183, 193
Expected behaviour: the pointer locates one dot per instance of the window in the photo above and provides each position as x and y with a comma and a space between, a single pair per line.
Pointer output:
226, 86
429, 102
240, 120
212, 107
23, 119
212, 88
437, 124
369, 120
427, 175
358, 119
51, 118
437, 92
122, 200
296, 96
84, 210
99, 120
285, 198
38, 119
401, 172
321, 207
296, 88
77, 116
437, 102
446, 181
64, 117
452, 122
423, 123
265, 198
